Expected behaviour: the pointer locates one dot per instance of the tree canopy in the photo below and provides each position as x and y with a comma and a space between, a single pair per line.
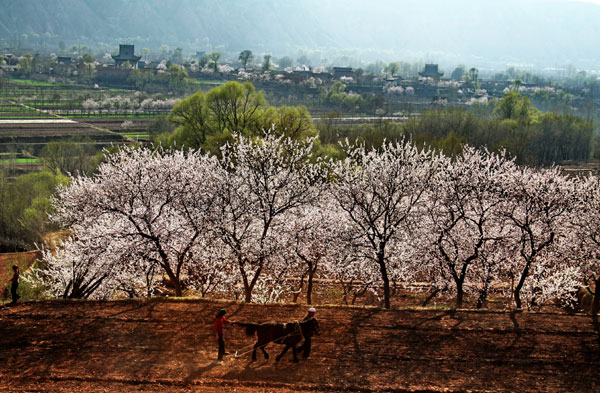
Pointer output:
245, 57
515, 106
24, 208
207, 120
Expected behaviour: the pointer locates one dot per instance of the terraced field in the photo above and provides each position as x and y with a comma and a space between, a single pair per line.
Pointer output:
133, 128
34, 134
33, 114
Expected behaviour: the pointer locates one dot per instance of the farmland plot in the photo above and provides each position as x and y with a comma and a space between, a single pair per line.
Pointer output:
34, 135
168, 345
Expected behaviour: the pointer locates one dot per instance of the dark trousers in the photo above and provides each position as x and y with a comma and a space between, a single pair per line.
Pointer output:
221, 347
13, 292
305, 347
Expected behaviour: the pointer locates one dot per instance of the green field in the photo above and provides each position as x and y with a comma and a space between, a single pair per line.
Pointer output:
136, 135
20, 161
30, 82
93, 115
13, 108
67, 100
25, 116
206, 82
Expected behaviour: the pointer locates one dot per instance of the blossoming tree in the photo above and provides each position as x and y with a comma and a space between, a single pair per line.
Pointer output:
586, 239
537, 204
378, 190
263, 180
153, 203
463, 216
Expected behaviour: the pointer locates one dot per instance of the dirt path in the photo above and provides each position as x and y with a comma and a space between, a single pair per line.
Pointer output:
168, 345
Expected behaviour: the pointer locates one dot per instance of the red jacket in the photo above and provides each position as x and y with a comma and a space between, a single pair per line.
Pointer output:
219, 323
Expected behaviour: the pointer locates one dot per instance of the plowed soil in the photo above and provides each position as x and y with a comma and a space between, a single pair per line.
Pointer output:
168, 345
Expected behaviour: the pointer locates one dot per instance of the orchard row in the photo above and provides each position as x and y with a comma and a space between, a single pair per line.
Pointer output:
266, 211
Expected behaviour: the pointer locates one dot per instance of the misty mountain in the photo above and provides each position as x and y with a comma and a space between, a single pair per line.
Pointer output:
544, 32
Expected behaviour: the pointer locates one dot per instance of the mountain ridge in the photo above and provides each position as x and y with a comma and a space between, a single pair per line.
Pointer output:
552, 32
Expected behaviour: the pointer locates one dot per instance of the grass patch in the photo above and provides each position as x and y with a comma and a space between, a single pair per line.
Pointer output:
111, 115
14, 108
34, 83
71, 105
20, 161
30, 82
121, 90
207, 82
26, 117
330, 293
434, 307
136, 135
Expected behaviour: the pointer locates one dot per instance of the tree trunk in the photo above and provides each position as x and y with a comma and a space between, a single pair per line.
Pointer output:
248, 285
384, 277
297, 294
596, 302
520, 285
178, 290
482, 299
174, 279
459, 293
346, 289
177, 285
518, 288
518, 297
309, 287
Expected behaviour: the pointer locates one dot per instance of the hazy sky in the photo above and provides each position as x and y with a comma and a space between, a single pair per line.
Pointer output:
588, 1
494, 33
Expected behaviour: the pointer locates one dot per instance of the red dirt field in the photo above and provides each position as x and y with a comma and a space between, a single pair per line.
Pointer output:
168, 345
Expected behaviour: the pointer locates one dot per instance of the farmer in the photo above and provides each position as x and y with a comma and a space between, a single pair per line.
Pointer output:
220, 322
310, 314
305, 347
14, 284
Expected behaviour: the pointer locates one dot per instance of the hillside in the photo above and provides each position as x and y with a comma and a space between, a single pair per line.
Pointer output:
548, 32
23, 259
160, 345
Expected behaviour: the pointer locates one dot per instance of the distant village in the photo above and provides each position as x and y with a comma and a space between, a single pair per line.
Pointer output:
395, 89
431, 86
